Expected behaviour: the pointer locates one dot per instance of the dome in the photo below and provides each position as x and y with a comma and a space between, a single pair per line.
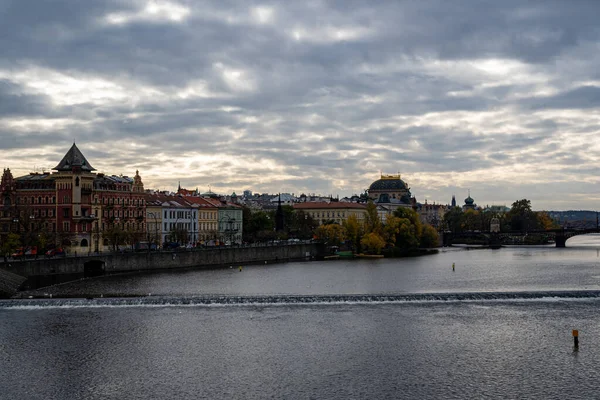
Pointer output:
388, 184
469, 200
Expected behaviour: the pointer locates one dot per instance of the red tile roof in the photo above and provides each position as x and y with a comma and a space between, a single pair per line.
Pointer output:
334, 204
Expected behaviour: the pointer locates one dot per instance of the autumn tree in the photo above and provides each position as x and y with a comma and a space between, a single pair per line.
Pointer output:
372, 220
353, 231
372, 242
332, 234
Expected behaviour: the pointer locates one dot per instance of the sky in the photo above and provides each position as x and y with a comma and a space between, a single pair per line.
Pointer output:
497, 97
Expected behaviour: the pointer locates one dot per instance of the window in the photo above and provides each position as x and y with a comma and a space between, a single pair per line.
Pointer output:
65, 212
66, 227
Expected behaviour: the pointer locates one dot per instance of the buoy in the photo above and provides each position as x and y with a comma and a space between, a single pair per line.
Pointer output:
576, 339
240, 268
452, 266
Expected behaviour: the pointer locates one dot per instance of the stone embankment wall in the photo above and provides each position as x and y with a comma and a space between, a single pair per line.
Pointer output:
10, 283
144, 261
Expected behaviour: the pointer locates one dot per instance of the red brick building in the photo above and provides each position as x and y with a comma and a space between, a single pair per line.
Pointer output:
72, 207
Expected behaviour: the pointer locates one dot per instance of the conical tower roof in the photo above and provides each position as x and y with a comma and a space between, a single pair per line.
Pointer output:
74, 158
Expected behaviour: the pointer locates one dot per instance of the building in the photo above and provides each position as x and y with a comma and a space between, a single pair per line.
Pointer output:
73, 207
432, 214
334, 211
390, 189
469, 203
178, 218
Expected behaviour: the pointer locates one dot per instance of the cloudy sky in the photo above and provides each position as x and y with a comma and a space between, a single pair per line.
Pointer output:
499, 97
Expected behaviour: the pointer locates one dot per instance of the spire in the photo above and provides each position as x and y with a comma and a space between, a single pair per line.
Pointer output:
74, 158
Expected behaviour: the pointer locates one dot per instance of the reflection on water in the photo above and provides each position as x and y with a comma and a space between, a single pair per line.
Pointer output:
499, 326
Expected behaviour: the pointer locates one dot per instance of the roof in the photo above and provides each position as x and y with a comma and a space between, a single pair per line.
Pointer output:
74, 158
331, 205
389, 182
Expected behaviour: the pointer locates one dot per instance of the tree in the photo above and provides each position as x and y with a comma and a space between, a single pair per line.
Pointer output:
372, 221
429, 237
453, 220
332, 234
520, 216
10, 243
115, 235
545, 221
372, 242
407, 237
412, 216
391, 229
258, 225
353, 231
471, 220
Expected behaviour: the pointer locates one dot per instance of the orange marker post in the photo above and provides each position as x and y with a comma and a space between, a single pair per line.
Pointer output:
576, 338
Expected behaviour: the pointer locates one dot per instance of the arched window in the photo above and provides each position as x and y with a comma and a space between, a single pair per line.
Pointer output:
84, 243
77, 181
40, 200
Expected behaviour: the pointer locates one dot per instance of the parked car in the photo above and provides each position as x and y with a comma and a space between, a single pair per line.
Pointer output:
20, 252
55, 252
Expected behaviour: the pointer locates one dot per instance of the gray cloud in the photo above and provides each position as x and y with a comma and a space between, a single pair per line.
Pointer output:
310, 96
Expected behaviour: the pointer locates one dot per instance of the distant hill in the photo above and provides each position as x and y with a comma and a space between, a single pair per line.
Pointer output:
581, 219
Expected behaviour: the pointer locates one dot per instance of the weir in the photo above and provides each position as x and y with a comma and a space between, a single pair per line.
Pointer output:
48, 271
333, 299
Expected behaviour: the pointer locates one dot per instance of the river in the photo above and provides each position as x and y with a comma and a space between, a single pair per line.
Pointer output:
498, 326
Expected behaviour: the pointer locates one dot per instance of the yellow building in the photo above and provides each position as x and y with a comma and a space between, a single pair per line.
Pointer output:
154, 220
332, 211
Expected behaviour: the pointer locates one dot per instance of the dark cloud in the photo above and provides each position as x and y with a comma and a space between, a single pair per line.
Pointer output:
315, 94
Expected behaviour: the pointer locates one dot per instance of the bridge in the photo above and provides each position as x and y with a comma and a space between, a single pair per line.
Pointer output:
497, 239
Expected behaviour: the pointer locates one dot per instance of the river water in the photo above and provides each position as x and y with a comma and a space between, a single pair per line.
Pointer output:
498, 326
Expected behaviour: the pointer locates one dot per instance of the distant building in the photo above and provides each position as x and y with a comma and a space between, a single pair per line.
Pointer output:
390, 189
335, 211
469, 203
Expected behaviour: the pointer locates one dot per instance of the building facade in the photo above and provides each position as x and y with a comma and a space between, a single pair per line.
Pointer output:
72, 207
335, 211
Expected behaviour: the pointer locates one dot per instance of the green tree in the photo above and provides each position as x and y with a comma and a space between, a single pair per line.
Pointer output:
391, 229
521, 217
407, 237
258, 225
10, 243
412, 216
429, 237
372, 221
453, 220
471, 220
